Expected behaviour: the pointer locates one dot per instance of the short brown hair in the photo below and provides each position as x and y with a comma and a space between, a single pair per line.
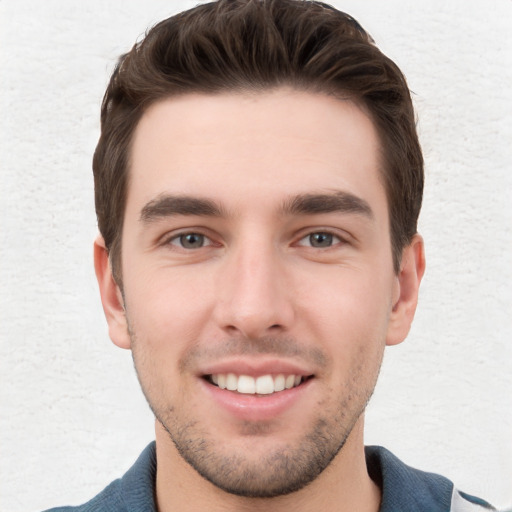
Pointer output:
234, 45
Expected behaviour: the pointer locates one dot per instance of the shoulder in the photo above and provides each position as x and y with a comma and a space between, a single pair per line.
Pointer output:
133, 492
108, 500
405, 488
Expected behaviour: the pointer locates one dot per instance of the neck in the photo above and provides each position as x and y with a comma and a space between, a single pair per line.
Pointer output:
342, 487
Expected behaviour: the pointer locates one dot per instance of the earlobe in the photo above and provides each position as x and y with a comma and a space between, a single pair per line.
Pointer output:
408, 282
111, 296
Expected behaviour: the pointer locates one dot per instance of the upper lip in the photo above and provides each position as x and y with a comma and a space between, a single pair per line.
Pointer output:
255, 367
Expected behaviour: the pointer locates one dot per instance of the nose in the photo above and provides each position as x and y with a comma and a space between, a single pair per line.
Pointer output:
253, 295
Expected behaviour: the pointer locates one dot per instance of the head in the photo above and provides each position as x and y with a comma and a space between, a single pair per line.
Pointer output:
254, 45
258, 181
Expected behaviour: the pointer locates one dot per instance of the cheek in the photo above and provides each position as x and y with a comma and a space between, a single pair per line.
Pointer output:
164, 321
354, 302
350, 319
169, 303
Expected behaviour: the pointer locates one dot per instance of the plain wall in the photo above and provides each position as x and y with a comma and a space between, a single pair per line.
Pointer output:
72, 416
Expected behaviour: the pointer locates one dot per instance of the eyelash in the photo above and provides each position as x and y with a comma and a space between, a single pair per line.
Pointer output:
178, 239
334, 239
181, 236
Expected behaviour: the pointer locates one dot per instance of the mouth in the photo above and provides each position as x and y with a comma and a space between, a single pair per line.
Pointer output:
263, 385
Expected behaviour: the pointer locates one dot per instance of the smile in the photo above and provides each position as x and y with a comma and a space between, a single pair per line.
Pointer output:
262, 385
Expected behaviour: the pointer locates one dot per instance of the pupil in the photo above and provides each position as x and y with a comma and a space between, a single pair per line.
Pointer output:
192, 241
320, 239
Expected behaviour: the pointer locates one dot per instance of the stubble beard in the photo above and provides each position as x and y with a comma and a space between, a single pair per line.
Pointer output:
281, 471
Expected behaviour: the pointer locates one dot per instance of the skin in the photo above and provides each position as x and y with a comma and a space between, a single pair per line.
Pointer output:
256, 290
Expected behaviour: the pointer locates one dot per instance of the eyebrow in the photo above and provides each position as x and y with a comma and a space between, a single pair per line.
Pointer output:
169, 205
339, 201
303, 204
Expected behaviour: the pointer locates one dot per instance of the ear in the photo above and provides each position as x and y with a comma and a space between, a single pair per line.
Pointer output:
408, 282
111, 296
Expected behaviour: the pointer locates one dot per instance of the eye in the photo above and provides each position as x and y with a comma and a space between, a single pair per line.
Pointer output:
190, 240
321, 240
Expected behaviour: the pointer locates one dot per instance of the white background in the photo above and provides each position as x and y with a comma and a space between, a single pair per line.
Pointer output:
72, 416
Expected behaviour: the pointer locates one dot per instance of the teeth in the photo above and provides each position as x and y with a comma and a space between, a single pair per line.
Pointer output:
231, 382
265, 385
246, 385
279, 383
262, 385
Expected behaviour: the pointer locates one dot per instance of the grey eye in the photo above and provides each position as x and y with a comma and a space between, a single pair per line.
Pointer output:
320, 239
192, 240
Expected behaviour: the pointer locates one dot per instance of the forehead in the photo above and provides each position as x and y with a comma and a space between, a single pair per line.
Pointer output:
235, 147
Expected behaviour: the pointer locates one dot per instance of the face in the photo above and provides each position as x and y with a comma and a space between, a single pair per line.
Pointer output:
258, 281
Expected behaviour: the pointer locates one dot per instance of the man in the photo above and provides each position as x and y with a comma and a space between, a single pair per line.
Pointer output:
258, 183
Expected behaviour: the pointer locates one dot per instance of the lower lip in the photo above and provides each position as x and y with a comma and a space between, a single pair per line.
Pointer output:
256, 407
